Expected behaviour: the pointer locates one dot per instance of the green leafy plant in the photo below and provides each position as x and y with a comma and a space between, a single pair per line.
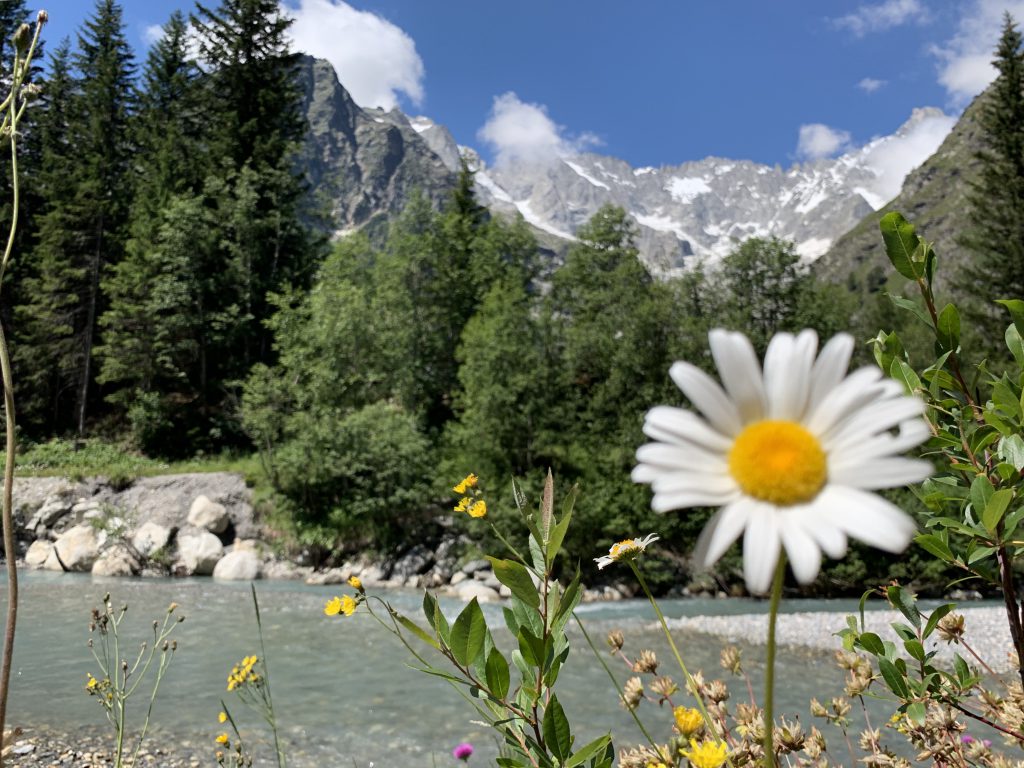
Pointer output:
513, 692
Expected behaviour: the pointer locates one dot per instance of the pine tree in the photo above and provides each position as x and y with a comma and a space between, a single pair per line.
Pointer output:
45, 342
253, 109
82, 230
996, 200
150, 331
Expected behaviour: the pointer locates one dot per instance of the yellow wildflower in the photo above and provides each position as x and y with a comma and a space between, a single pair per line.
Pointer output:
708, 754
463, 504
688, 720
222, 717
348, 605
92, 684
333, 607
223, 739
355, 583
479, 509
469, 481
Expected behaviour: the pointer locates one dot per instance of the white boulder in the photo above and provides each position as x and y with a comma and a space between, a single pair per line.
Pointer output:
199, 552
239, 565
77, 548
150, 537
208, 514
38, 553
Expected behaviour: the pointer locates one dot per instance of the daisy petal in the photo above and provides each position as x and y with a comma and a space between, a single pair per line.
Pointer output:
707, 396
885, 472
787, 374
852, 394
740, 372
830, 538
830, 368
760, 548
714, 485
801, 548
674, 425
912, 433
868, 518
880, 417
721, 531
678, 457
694, 497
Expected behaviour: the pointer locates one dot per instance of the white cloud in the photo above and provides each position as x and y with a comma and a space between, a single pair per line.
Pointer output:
870, 84
965, 60
882, 16
152, 34
522, 132
818, 140
897, 155
375, 60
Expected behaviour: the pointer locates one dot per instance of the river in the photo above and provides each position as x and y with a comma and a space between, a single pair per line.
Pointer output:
342, 688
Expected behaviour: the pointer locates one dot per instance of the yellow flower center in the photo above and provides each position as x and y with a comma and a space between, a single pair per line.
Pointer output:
622, 548
778, 462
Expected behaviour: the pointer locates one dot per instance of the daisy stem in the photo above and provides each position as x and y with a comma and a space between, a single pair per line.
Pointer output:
672, 644
769, 675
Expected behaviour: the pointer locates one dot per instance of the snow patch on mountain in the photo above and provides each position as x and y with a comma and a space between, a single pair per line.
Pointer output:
686, 190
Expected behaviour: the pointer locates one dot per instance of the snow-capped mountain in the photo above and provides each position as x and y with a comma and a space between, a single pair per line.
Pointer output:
367, 162
703, 209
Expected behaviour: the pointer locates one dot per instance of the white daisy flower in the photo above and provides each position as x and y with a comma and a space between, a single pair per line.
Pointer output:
789, 455
627, 549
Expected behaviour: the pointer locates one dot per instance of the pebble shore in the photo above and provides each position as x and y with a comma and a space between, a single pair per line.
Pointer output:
986, 631
48, 747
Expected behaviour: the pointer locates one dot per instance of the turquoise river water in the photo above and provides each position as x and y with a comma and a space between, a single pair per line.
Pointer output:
342, 688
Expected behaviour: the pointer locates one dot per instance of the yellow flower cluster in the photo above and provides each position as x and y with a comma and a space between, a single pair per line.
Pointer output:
473, 505
344, 604
242, 674
688, 720
707, 754
469, 481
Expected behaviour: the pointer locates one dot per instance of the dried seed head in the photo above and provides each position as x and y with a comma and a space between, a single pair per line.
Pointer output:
632, 693
646, 662
616, 640
42, 17
817, 710
951, 627
730, 659
664, 686
790, 735
717, 692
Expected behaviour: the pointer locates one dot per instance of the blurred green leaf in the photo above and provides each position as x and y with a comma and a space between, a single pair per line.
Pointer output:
900, 244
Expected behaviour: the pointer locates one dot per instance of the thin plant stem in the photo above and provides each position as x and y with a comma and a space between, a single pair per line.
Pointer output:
271, 719
691, 684
611, 676
769, 675
14, 113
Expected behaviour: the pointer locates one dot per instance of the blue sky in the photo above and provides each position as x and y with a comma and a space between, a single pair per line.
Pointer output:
654, 83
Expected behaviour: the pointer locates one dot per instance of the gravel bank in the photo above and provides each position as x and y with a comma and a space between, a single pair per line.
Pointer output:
46, 747
986, 631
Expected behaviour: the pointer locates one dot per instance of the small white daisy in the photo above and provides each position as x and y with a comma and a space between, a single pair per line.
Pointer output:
789, 455
627, 549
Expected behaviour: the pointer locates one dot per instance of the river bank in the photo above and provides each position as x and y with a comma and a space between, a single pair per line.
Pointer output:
204, 524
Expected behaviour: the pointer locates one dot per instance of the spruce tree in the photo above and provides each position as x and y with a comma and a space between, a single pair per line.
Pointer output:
150, 328
254, 123
996, 199
45, 343
82, 229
